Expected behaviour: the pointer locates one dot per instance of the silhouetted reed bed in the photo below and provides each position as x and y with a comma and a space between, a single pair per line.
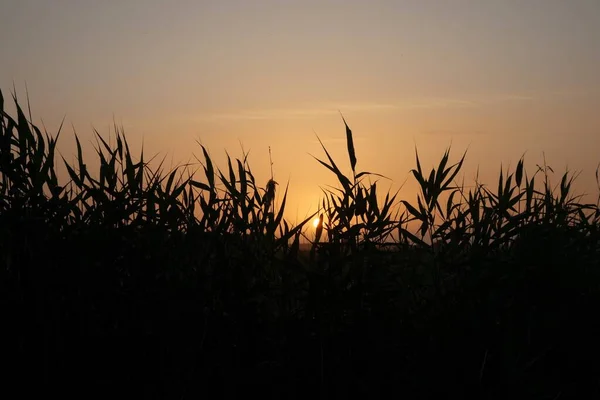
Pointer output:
134, 281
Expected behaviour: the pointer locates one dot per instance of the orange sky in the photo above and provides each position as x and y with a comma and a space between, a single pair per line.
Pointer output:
502, 77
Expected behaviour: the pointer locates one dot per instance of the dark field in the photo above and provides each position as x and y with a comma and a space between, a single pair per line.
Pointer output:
139, 283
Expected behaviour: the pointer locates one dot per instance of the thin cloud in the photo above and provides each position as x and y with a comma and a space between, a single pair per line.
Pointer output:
321, 110
440, 103
447, 132
511, 97
361, 107
516, 97
335, 108
268, 114
434, 102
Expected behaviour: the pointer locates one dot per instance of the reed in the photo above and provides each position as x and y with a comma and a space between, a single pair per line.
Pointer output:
492, 294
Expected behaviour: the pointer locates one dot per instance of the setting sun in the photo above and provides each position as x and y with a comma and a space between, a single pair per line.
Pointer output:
316, 222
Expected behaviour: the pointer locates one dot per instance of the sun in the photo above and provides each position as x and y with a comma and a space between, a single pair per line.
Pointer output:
316, 222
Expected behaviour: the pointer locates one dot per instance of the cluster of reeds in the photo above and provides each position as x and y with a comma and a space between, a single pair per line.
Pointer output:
208, 271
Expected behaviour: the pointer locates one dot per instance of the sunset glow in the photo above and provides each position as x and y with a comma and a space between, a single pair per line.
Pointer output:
315, 223
499, 78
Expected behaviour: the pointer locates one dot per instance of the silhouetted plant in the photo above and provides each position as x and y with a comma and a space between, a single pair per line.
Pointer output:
208, 271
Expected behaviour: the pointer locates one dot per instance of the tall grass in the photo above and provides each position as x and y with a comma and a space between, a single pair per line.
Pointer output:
493, 295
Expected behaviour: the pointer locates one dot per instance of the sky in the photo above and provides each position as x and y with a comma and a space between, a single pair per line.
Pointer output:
499, 78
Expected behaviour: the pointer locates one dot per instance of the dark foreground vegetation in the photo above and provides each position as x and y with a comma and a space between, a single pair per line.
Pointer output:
139, 283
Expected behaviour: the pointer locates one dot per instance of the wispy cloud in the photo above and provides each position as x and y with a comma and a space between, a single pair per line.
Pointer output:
269, 114
332, 108
450, 132
287, 113
439, 102
515, 97
508, 98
